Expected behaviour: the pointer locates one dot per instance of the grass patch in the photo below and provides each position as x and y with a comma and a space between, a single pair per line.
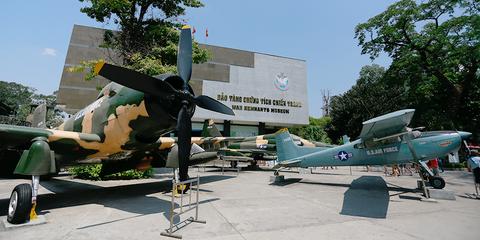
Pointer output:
92, 172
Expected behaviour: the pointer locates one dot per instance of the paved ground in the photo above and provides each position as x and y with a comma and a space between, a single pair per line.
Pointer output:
329, 204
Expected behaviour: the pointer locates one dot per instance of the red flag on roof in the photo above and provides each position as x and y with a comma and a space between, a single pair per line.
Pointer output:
194, 30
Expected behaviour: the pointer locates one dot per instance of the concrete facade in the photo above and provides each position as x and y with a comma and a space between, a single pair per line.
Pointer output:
263, 90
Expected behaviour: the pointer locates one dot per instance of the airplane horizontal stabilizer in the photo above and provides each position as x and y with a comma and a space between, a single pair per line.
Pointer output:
288, 163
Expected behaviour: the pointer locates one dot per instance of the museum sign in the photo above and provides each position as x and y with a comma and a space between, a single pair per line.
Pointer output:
274, 91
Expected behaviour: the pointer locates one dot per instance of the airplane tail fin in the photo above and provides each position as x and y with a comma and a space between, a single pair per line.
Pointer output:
210, 130
39, 116
286, 148
346, 139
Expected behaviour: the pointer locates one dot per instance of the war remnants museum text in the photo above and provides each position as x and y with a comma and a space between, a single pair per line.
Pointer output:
267, 102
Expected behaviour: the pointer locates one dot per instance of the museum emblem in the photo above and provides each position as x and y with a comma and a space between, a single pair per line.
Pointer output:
281, 82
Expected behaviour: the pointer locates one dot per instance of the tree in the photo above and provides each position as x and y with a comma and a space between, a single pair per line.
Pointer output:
315, 131
435, 47
14, 95
147, 37
20, 98
371, 96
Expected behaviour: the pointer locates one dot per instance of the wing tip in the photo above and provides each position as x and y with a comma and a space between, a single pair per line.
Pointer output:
98, 67
282, 130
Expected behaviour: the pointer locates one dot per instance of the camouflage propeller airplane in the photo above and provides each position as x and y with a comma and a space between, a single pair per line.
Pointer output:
249, 149
122, 130
384, 140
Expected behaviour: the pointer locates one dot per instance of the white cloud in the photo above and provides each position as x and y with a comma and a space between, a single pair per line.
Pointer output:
49, 52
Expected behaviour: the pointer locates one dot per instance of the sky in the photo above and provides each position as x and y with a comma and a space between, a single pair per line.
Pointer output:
34, 37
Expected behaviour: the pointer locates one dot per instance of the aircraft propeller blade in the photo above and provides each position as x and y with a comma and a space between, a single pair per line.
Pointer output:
211, 104
184, 123
184, 58
135, 80
184, 131
157, 87
465, 136
465, 144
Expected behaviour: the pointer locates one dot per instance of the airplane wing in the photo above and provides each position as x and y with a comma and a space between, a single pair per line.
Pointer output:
386, 125
247, 151
20, 137
37, 157
168, 142
288, 163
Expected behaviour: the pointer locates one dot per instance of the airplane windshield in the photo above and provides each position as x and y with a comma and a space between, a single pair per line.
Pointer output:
388, 141
104, 90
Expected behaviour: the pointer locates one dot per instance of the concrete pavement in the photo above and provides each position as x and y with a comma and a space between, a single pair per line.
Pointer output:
329, 204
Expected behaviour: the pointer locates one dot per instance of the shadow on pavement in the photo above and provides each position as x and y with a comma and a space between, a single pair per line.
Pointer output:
416, 198
366, 197
328, 184
131, 198
286, 182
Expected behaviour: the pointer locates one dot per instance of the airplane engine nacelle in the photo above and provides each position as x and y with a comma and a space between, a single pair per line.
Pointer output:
160, 107
38, 160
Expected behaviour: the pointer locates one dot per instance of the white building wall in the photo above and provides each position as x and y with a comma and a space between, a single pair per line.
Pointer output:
263, 85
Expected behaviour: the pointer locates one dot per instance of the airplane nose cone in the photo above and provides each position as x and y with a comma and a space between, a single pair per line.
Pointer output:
464, 135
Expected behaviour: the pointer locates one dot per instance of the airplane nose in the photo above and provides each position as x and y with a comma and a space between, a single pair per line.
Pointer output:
464, 135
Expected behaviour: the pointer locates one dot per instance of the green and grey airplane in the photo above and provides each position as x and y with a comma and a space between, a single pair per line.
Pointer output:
383, 140
122, 129
249, 149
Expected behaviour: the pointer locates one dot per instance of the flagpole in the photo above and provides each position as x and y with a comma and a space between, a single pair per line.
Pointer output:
206, 36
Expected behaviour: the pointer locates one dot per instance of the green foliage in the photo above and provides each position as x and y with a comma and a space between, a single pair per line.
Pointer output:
371, 96
455, 165
435, 47
20, 98
14, 95
92, 172
86, 66
148, 33
315, 131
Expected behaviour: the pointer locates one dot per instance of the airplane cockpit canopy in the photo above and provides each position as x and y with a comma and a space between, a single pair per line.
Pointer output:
111, 89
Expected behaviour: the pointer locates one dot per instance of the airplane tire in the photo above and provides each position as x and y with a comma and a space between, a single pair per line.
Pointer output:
437, 182
20, 204
233, 164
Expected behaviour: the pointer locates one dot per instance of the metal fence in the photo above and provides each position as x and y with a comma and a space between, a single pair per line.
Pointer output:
183, 208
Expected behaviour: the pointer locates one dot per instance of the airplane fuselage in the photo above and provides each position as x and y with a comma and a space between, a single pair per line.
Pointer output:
429, 146
124, 119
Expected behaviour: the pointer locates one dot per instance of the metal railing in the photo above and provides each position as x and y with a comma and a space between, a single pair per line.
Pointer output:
169, 232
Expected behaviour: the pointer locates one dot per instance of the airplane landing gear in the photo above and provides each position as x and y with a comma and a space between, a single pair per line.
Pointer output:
437, 182
23, 201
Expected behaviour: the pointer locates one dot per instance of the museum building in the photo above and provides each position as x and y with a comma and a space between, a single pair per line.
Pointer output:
266, 92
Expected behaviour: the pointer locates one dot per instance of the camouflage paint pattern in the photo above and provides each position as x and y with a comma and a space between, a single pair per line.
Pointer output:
116, 126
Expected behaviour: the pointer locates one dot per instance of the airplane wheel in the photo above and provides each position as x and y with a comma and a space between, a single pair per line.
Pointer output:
437, 182
20, 204
233, 164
